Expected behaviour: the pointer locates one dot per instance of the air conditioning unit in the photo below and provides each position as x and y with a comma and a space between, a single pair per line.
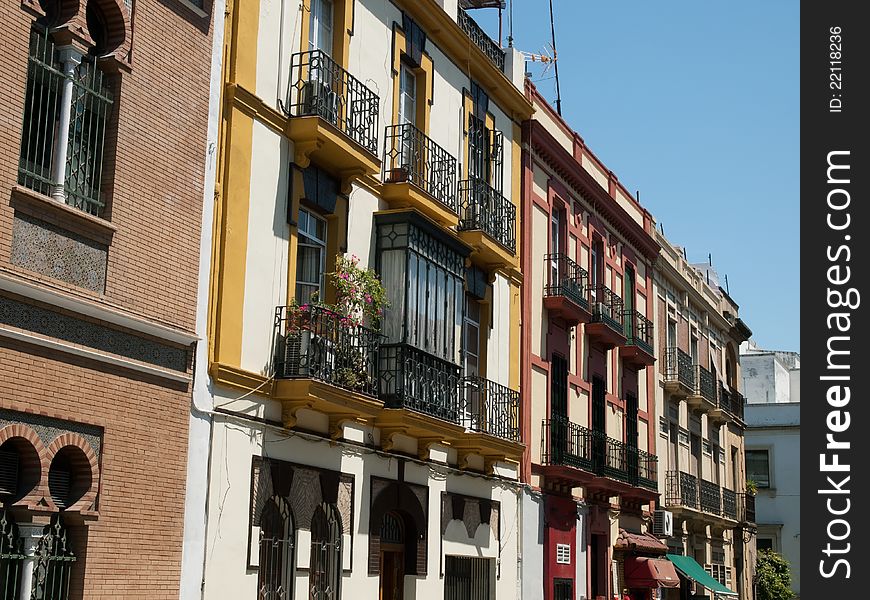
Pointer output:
663, 523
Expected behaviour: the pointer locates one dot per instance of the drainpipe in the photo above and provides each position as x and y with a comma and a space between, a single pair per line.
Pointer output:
30, 534
71, 58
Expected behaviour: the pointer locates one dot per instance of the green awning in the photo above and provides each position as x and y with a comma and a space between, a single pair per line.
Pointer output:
691, 569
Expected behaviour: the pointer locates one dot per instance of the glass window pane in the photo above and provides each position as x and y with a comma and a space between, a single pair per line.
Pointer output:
758, 467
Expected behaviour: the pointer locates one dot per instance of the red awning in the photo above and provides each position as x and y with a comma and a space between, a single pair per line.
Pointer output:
645, 572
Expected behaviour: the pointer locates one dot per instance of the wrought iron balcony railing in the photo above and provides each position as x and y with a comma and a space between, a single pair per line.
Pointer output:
484, 208
489, 407
639, 331
411, 156
480, 39
566, 278
731, 401
570, 444
678, 367
414, 379
314, 342
711, 497
319, 86
566, 443
705, 384
746, 507
607, 308
681, 489
729, 503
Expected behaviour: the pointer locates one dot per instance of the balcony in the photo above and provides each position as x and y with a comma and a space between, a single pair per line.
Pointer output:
565, 294
480, 39
730, 405
703, 397
729, 504
418, 173
606, 326
573, 455
335, 116
711, 497
487, 222
414, 379
490, 408
746, 508
638, 349
704, 499
324, 362
679, 372
681, 490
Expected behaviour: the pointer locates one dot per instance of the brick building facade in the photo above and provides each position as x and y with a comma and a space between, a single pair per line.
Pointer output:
99, 254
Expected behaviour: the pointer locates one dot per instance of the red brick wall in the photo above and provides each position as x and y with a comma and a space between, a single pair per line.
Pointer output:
156, 200
133, 549
134, 545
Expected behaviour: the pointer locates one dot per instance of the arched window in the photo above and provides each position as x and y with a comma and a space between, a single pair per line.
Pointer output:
275, 579
68, 104
325, 566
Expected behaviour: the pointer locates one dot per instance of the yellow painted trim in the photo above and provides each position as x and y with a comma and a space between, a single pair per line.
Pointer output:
342, 26
515, 333
450, 39
468, 105
227, 293
248, 101
240, 379
243, 53
425, 81
304, 25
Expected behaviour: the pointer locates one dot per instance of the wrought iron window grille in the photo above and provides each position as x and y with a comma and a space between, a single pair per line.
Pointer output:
68, 104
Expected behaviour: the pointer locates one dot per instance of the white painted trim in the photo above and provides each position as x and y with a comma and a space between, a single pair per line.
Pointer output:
41, 293
31, 338
202, 400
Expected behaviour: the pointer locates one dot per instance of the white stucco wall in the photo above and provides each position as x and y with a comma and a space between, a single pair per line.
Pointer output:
766, 379
532, 548
776, 427
236, 442
268, 244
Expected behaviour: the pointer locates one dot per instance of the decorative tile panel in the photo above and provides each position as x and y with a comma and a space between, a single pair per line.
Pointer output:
37, 319
49, 250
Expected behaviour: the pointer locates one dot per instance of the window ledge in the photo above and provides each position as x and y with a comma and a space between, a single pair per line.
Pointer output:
64, 216
199, 12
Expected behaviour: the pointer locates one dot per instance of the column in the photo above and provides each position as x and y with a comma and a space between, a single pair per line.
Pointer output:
30, 534
71, 58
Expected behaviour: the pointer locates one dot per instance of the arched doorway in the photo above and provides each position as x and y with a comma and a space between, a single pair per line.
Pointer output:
392, 575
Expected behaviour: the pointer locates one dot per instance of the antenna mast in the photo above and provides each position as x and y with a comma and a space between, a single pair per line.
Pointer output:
555, 62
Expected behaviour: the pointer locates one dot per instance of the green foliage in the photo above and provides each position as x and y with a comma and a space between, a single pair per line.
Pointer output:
751, 487
772, 575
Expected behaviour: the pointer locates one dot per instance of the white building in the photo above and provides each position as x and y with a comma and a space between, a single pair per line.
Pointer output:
334, 460
772, 383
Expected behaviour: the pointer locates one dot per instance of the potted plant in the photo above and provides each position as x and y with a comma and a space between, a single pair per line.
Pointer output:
751, 487
335, 342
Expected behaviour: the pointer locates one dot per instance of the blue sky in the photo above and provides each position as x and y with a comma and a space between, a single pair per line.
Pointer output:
695, 104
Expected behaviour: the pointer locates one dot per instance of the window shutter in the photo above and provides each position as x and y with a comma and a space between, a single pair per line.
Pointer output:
415, 40
374, 553
327, 195
8, 472
59, 485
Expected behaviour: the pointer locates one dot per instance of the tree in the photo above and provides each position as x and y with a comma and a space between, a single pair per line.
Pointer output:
772, 576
